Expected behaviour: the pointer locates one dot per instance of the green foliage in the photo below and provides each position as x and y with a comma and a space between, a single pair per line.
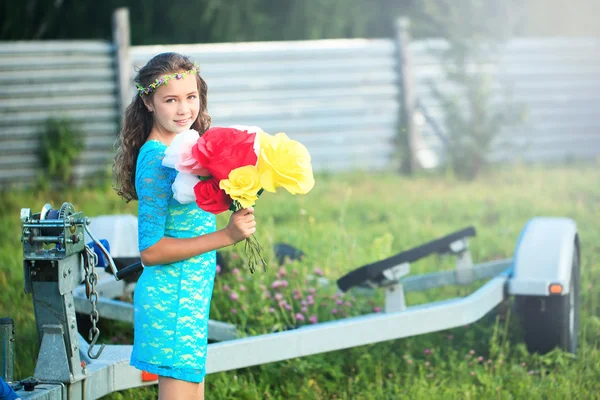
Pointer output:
60, 145
474, 120
474, 124
206, 21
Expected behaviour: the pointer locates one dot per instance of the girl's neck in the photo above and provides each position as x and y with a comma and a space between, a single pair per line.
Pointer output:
161, 135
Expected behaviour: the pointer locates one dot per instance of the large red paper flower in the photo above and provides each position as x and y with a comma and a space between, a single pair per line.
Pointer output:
211, 198
222, 150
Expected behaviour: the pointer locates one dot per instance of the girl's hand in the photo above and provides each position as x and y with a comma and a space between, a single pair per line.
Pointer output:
241, 224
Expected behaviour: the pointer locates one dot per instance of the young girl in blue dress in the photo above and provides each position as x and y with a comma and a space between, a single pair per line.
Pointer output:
177, 242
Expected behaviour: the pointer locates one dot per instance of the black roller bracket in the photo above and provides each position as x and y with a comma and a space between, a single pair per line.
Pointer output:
129, 270
373, 272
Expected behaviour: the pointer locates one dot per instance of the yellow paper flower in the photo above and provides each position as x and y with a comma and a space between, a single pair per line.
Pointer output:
243, 185
283, 162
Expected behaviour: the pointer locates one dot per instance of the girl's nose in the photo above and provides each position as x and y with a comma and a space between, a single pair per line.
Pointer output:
183, 108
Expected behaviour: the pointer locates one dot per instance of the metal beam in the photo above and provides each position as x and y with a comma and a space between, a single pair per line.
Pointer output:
447, 278
356, 331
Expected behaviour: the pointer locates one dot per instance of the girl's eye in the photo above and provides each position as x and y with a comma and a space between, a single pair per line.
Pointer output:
193, 97
170, 100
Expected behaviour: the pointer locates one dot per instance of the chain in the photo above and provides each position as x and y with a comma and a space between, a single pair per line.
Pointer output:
91, 280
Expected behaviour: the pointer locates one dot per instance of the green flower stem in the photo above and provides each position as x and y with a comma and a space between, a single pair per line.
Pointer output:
253, 251
252, 247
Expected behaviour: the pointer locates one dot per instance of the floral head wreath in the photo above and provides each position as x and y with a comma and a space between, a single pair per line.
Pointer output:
164, 81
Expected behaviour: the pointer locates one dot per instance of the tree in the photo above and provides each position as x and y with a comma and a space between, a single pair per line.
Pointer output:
474, 124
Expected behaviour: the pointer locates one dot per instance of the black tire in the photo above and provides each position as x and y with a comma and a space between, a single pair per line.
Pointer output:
548, 322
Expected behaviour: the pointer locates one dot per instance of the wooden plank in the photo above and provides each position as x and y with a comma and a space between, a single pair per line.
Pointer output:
408, 95
122, 42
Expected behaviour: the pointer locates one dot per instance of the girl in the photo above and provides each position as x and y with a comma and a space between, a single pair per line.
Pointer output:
177, 242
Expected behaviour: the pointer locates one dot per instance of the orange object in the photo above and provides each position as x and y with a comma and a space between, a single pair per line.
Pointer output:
147, 376
556, 288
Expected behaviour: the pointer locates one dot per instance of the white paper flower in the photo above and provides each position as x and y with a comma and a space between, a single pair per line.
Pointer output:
183, 187
179, 154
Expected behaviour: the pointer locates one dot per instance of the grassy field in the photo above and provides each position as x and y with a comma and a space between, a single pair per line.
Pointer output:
349, 220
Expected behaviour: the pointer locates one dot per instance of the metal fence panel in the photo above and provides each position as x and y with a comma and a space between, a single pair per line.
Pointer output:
556, 81
337, 97
39, 80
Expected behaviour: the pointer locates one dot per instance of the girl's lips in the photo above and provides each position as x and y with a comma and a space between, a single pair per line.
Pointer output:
182, 121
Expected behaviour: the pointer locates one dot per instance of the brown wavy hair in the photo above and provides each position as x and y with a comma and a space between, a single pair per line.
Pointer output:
138, 121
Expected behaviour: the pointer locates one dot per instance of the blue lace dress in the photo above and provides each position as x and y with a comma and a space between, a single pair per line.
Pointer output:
171, 301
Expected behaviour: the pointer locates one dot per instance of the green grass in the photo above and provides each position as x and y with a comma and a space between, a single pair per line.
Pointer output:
349, 220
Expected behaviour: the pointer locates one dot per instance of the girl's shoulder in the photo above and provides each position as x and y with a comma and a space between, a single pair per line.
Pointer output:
152, 149
153, 146
151, 155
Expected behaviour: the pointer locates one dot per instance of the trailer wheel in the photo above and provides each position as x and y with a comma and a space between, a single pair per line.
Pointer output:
552, 321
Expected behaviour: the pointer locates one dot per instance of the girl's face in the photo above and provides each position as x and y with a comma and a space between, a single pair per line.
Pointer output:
175, 106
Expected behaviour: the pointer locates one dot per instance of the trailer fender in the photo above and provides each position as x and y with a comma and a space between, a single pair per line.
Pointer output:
544, 257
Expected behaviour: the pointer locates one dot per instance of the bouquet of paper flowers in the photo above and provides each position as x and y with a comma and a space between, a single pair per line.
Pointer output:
229, 168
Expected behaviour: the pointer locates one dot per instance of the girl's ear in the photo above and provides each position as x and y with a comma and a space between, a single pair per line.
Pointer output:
148, 105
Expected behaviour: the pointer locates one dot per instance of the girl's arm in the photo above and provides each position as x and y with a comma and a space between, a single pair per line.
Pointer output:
168, 250
154, 188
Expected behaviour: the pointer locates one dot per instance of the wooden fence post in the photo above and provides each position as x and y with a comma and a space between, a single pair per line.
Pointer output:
406, 123
122, 41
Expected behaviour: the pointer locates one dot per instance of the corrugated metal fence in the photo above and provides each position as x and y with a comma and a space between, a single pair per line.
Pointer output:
39, 80
339, 97
555, 81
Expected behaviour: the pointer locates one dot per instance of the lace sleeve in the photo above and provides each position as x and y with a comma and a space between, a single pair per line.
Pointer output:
153, 186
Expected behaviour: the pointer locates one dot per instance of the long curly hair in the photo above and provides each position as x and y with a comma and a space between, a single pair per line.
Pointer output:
138, 121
